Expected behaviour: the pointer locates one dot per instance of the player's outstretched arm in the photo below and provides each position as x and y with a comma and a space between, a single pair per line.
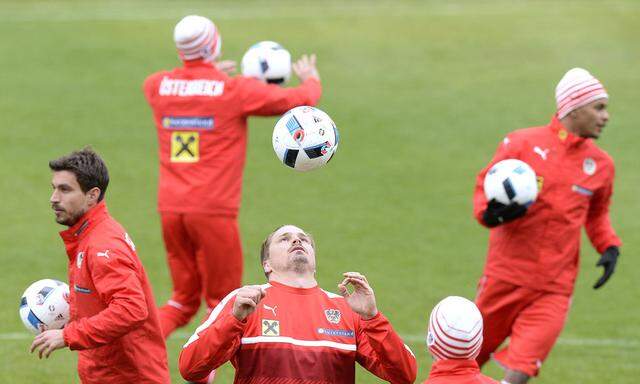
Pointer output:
379, 348
217, 340
226, 66
262, 99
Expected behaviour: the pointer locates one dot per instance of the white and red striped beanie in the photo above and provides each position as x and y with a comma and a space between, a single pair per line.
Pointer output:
455, 329
577, 88
197, 37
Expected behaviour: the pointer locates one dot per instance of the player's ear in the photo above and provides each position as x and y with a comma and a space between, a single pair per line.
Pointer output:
93, 194
266, 267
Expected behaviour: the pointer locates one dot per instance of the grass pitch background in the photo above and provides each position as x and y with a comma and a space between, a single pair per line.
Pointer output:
422, 92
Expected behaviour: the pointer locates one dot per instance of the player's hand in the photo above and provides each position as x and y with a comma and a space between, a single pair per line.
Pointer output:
305, 68
361, 300
247, 300
227, 66
608, 260
47, 342
498, 213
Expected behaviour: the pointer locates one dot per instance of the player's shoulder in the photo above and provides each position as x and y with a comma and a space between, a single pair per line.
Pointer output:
157, 76
595, 151
109, 235
528, 133
334, 299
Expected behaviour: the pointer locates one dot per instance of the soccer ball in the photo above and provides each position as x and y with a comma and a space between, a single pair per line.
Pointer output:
267, 61
305, 138
511, 180
44, 305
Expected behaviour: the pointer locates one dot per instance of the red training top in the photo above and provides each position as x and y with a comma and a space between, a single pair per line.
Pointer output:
114, 321
575, 182
297, 335
457, 372
201, 120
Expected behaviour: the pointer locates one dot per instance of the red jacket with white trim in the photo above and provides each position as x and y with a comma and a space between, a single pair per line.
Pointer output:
201, 115
301, 335
575, 179
114, 321
457, 372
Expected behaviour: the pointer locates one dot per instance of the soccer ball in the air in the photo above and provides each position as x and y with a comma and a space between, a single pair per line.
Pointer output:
44, 305
511, 180
267, 61
305, 138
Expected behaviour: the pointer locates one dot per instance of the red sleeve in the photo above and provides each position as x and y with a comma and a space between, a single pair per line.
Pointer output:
213, 343
117, 283
381, 351
149, 87
598, 224
508, 149
269, 99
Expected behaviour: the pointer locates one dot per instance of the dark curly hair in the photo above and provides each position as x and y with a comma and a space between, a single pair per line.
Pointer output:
86, 164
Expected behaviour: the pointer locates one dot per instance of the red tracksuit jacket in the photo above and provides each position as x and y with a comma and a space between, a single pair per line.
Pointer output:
114, 321
201, 120
297, 335
457, 372
541, 250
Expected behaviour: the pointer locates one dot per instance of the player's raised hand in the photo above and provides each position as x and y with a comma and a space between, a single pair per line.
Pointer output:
47, 342
227, 66
361, 300
247, 300
305, 68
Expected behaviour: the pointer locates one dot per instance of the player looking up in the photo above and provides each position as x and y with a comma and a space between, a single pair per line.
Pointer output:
533, 257
200, 114
114, 320
290, 330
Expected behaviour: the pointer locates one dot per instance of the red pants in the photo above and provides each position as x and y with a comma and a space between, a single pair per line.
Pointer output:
204, 254
531, 319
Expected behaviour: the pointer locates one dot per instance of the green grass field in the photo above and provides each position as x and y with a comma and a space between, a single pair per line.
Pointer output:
422, 92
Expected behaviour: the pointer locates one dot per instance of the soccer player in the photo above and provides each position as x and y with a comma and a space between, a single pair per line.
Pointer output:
532, 262
454, 340
114, 320
290, 330
201, 115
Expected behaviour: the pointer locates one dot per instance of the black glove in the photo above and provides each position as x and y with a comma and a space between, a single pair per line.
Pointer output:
608, 260
498, 213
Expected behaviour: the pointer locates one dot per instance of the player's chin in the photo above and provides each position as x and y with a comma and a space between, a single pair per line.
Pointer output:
299, 257
61, 218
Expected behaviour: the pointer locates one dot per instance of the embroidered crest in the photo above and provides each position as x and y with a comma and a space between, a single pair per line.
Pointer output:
332, 315
589, 166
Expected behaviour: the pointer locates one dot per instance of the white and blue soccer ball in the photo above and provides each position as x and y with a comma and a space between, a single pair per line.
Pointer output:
511, 180
267, 61
45, 305
305, 138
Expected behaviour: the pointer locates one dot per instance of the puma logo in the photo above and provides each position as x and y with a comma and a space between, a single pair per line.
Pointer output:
103, 254
272, 309
542, 153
